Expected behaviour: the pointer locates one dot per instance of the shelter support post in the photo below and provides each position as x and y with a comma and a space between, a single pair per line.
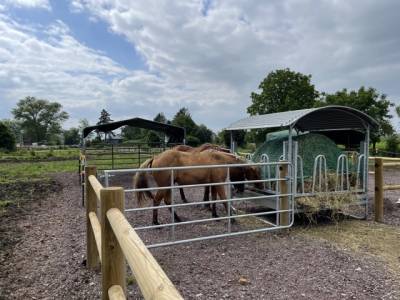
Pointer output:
284, 200
379, 190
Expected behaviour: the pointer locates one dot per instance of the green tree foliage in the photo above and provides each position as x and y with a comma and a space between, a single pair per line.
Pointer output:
238, 136
105, 118
368, 101
183, 119
392, 143
7, 139
153, 137
195, 134
160, 117
15, 128
40, 119
283, 90
204, 134
72, 136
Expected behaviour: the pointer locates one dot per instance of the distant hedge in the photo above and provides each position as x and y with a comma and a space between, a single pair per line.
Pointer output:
7, 139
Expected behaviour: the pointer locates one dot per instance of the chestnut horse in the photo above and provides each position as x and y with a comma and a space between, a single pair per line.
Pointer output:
173, 158
207, 146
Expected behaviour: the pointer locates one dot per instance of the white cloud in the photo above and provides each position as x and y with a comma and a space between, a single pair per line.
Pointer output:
220, 56
207, 57
43, 4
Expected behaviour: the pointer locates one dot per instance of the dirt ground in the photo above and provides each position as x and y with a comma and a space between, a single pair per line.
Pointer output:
43, 256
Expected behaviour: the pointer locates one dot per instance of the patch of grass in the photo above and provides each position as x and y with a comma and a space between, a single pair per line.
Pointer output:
39, 154
4, 204
13, 172
379, 240
130, 280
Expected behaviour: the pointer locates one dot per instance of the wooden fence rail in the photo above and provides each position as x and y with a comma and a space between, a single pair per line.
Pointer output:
380, 186
111, 240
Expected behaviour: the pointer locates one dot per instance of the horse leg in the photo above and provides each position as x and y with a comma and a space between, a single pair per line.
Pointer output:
168, 201
206, 196
183, 197
213, 205
156, 202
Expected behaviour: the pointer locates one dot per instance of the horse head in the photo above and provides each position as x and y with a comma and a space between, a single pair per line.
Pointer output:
253, 173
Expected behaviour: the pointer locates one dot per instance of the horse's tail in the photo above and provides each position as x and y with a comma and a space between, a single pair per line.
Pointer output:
140, 182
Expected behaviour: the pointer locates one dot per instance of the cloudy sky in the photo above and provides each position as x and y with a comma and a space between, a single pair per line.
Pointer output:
137, 58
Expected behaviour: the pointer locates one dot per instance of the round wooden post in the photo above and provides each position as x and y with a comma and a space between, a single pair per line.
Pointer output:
379, 190
284, 200
113, 268
92, 257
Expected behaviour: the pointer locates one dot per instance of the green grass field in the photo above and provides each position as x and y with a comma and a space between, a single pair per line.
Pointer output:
39, 154
28, 171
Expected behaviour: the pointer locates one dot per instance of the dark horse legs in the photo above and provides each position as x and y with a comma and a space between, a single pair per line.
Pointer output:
166, 195
206, 196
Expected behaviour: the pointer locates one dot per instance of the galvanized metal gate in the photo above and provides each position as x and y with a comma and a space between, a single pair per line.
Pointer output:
275, 196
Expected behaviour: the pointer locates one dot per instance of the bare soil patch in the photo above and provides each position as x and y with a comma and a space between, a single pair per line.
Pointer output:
47, 262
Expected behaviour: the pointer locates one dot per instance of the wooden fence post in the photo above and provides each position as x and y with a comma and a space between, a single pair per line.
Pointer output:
92, 256
284, 200
379, 190
113, 268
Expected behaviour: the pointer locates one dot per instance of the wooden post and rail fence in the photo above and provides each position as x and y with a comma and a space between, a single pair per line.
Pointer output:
380, 186
111, 240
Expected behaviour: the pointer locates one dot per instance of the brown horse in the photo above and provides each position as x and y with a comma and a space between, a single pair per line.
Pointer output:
206, 147
173, 158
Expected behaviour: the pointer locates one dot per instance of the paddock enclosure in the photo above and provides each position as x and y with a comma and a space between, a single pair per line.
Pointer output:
328, 150
319, 162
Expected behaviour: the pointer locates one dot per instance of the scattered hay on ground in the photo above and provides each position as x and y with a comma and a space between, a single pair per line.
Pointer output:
331, 204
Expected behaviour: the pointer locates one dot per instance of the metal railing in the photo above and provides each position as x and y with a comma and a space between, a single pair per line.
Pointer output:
282, 200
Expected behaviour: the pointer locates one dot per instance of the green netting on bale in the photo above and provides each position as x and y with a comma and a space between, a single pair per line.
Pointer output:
309, 146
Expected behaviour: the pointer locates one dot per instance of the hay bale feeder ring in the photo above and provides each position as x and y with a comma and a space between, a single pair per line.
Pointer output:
312, 141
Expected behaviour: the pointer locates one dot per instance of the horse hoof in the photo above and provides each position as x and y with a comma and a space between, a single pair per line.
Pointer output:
216, 216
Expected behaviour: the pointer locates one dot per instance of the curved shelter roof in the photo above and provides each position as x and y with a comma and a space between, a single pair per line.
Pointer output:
176, 134
326, 118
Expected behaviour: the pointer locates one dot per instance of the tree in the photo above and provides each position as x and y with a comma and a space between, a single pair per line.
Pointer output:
195, 135
183, 119
238, 137
15, 128
160, 117
72, 136
368, 101
40, 119
105, 118
7, 139
204, 134
392, 144
283, 90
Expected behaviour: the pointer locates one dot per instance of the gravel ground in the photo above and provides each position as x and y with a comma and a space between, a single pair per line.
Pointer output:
391, 208
47, 260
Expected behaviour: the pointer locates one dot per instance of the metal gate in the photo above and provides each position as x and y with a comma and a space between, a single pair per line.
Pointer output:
271, 208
